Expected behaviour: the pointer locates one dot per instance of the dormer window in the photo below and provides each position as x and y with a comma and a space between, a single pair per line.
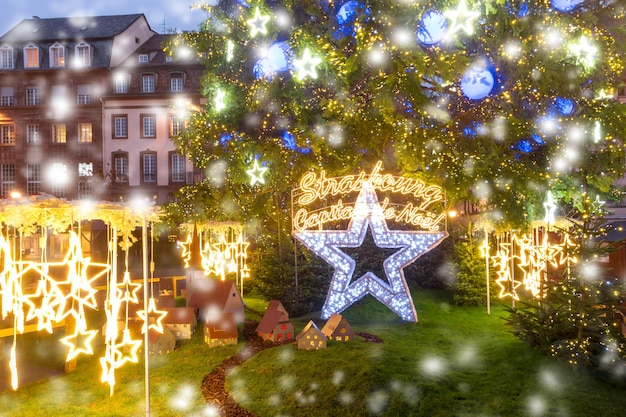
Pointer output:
31, 56
144, 58
57, 56
82, 55
6, 57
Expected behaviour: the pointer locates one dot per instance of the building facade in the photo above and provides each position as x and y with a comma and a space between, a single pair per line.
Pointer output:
87, 109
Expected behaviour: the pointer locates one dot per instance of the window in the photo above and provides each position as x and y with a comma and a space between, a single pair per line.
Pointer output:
7, 134
59, 133
143, 58
121, 83
120, 168
85, 134
177, 168
120, 127
83, 94
148, 125
32, 96
59, 98
31, 56
176, 82
148, 83
176, 125
8, 179
59, 175
85, 169
82, 55
7, 96
6, 57
33, 179
33, 134
148, 167
57, 56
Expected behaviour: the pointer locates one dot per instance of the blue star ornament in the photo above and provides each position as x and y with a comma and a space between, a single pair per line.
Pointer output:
395, 294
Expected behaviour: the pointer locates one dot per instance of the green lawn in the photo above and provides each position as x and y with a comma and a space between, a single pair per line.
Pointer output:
455, 362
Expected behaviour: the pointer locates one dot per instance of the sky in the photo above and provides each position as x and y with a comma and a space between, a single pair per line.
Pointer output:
162, 15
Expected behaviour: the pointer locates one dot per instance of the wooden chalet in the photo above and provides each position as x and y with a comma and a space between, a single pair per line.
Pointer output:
275, 325
221, 331
181, 321
311, 337
337, 328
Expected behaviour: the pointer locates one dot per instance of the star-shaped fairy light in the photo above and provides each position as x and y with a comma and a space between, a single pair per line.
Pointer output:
505, 278
550, 208
368, 213
256, 173
585, 52
305, 67
461, 19
258, 23
219, 101
152, 312
79, 341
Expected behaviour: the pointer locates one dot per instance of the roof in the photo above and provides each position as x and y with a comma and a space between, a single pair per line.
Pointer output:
66, 28
311, 326
333, 323
179, 315
277, 305
223, 328
270, 320
211, 292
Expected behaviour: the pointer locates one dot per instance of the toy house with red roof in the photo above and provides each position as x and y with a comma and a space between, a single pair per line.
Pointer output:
311, 337
212, 297
337, 328
221, 331
181, 321
275, 325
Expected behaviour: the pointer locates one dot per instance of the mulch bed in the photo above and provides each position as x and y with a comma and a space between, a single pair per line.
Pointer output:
214, 384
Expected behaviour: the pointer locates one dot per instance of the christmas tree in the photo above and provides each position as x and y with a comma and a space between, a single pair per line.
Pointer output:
497, 101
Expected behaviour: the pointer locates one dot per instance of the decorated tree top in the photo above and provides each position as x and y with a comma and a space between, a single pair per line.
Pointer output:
497, 101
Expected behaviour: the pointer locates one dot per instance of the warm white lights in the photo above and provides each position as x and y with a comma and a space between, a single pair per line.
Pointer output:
461, 19
256, 173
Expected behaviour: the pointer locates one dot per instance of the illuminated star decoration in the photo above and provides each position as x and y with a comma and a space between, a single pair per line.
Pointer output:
461, 19
81, 335
257, 23
306, 65
368, 213
219, 102
585, 52
550, 208
256, 173
146, 316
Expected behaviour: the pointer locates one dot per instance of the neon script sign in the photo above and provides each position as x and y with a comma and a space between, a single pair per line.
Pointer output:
421, 206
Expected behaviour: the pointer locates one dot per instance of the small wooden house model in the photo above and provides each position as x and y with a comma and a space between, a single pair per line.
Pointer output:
311, 337
212, 297
221, 331
161, 343
337, 328
181, 321
275, 325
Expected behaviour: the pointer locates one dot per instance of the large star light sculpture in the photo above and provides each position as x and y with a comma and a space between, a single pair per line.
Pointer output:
395, 294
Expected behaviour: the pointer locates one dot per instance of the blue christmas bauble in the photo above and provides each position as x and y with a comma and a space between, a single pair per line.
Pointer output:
564, 106
566, 5
277, 59
347, 12
477, 82
432, 27
279, 56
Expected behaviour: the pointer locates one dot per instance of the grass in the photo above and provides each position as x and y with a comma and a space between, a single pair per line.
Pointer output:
454, 362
